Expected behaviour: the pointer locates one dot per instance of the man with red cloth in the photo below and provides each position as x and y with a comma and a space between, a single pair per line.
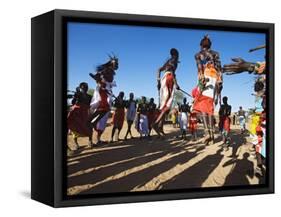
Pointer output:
209, 86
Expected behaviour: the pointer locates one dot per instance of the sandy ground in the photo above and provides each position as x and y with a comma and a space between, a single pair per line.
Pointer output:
155, 164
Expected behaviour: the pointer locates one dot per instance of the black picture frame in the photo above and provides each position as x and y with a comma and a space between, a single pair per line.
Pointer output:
48, 70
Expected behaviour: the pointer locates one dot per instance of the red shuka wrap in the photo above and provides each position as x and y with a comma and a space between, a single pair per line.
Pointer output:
224, 123
103, 105
78, 120
118, 117
192, 122
151, 116
204, 102
167, 91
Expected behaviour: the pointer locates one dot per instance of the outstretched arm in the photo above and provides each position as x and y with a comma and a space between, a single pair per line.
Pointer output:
239, 65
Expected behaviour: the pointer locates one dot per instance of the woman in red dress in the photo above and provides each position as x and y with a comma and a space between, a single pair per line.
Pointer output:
78, 117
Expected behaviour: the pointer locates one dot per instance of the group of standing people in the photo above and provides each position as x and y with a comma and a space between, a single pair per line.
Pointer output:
185, 119
141, 113
257, 122
86, 114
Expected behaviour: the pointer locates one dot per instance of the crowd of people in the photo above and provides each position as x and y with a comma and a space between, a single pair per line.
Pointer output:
257, 120
90, 113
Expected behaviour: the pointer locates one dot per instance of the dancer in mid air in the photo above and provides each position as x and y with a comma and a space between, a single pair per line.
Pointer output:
209, 86
166, 88
102, 98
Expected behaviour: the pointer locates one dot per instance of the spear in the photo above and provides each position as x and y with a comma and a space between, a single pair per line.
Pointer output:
185, 93
257, 48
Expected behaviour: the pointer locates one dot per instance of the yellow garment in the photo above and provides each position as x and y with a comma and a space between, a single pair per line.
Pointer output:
254, 123
174, 118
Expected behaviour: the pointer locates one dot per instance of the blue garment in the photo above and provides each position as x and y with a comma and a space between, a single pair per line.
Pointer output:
258, 104
242, 122
143, 125
131, 111
183, 121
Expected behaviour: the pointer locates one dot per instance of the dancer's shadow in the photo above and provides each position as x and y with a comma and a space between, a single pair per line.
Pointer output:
195, 176
237, 140
242, 169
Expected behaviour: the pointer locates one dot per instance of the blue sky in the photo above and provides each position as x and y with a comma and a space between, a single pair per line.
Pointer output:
142, 50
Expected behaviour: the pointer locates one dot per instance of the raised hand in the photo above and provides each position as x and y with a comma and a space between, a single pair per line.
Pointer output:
177, 86
158, 85
239, 65
96, 77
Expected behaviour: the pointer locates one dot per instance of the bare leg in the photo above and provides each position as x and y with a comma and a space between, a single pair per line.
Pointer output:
195, 135
99, 137
112, 133
259, 159
90, 144
183, 136
211, 127
129, 129
149, 131
207, 136
76, 142
118, 133
161, 115
161, 124
223, 137
158, 125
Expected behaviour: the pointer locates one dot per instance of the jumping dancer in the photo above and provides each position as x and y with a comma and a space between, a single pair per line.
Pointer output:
102, 98
209, 86
166, 87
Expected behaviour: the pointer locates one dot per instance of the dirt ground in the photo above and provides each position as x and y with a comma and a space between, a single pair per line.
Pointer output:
160, 163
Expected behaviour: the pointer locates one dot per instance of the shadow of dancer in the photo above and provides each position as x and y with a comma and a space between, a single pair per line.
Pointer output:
242, 170
237, 140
